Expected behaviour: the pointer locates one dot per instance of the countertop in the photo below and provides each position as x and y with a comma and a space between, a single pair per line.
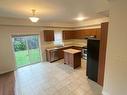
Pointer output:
60, 47
72, 51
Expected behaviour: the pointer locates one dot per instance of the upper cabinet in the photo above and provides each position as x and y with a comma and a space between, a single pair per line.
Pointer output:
93, 32
98, 33
81, 34
48, 35
73, 34
68, 34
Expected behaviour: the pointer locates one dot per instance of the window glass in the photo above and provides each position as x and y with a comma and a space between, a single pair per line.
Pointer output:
58, 38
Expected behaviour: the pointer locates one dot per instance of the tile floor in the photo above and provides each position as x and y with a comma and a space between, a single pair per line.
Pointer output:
54, 79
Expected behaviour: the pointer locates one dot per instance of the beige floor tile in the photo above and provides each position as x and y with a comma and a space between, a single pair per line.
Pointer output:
54, 79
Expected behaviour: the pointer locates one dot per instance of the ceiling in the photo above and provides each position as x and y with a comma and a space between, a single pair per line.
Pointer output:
54, 10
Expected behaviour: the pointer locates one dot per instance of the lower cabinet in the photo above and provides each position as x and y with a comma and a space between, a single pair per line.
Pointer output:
66, 58
72, 59
56, 54
52, 55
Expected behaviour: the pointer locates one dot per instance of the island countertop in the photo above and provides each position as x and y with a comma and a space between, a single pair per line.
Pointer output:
72, 51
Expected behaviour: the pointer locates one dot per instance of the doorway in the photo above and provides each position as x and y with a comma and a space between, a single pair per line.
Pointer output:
26, 50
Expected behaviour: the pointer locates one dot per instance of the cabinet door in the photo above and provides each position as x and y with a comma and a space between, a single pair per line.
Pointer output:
71, 59
88, 32
47, 55
98, 34
93, 32
48, 35
80, 34
60, 53
65, 58
68, 34
52, 56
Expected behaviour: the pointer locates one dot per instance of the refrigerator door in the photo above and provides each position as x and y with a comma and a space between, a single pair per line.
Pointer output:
92, 59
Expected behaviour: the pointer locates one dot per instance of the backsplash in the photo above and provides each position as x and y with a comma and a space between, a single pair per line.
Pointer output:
75, 42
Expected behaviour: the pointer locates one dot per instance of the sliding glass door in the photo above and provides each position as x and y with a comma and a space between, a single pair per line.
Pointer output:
26, 50
33, 49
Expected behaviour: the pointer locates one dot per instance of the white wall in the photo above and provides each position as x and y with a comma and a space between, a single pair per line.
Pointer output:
7, 61
116, 61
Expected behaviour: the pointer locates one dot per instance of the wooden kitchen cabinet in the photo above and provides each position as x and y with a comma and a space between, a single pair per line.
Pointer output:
56, 54
98, 34
94, 32
68, 34
66, 58
91, 32
72, 57
61, 53
48, 35
81, 34
102, 52
52, 55
88, 32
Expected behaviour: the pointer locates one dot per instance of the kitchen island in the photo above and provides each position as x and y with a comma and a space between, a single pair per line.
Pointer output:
72, 57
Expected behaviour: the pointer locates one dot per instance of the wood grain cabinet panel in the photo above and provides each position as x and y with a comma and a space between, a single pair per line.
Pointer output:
55, 54
52, 55
91, 32
81, 34
98, 34
48, 35
102, 52
66, 58
88, 32
61, 53
74, 60
68, 34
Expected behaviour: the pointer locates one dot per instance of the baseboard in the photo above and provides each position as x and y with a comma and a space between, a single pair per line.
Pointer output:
3, 72
105, 93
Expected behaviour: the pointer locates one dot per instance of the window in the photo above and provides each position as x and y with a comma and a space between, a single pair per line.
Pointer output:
58, 38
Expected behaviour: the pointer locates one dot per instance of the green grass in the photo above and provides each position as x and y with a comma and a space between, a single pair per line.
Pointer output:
24, 58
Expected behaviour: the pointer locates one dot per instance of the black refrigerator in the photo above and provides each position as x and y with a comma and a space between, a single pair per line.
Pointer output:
92, 58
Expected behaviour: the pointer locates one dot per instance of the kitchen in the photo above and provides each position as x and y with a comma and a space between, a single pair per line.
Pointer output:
40, 40
71, 40
57, 71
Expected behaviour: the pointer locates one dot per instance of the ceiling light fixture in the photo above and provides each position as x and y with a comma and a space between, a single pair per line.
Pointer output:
34, 18
81, 18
